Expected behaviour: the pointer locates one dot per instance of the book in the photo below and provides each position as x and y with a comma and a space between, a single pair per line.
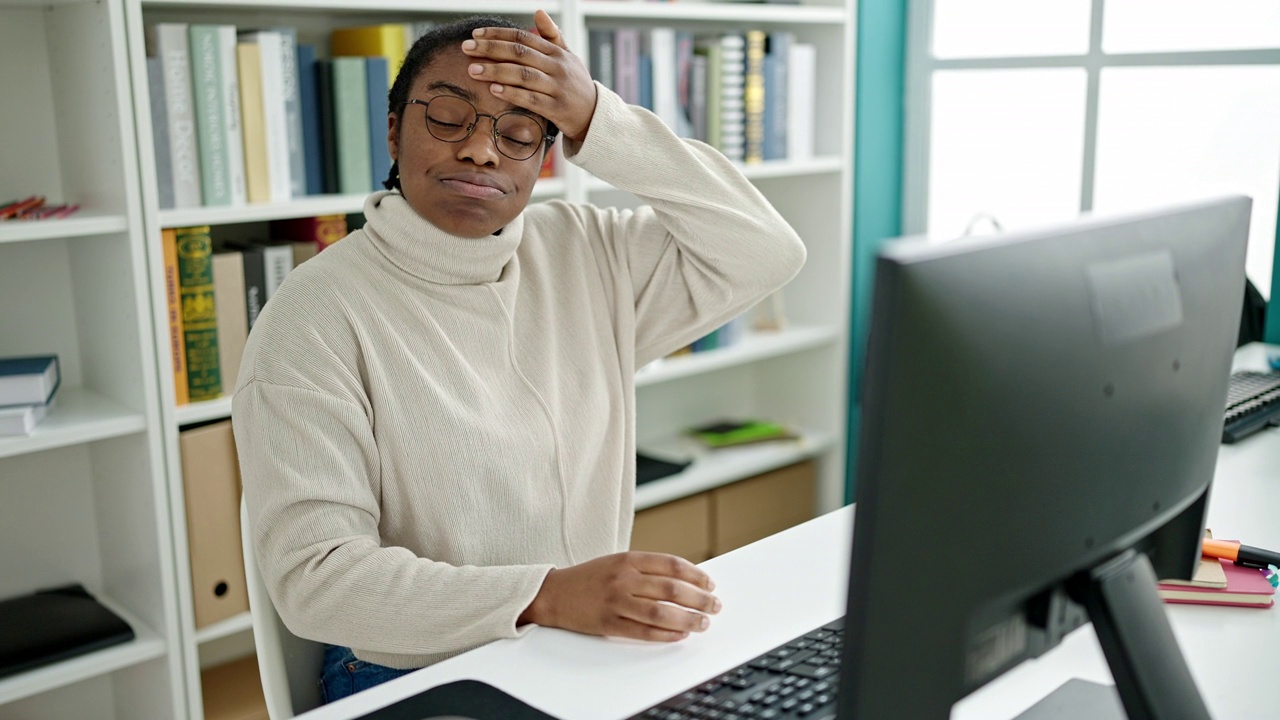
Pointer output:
801, 94
275, 116
322, 230
328, 127
160, 133
626, 64
600, 52
54, 624
210, 107
292, 97
199, 312
233, 322
386, 40
255, 282
22, 419
775, 95
753, 97
232, 116
728, 433
170, 43
1246, 587
379, 154
309, 101
732, 85
666, 99
29, 380
253, 123
351, 124
173, 300
684, 84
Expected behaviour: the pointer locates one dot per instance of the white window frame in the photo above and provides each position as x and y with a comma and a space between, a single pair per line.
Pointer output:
921, 65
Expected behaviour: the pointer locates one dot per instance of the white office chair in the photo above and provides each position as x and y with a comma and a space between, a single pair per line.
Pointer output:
289, 665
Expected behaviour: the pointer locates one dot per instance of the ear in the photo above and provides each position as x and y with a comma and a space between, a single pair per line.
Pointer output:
393, 136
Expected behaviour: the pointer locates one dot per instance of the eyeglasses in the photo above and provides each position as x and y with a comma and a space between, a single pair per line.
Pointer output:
451, 119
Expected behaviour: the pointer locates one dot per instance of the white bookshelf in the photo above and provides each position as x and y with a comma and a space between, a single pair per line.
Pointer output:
84, 499
797, 376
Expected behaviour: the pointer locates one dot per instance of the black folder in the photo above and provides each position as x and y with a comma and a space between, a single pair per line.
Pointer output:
55, 624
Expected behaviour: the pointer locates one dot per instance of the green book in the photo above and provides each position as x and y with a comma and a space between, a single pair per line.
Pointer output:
351, 122
211, 122
199, 312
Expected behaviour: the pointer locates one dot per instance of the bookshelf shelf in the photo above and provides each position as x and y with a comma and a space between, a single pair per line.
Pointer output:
302, 207
753, 347
730, 13
233, 625
197, 412
758, 171
77, 226
147, 645
417, 7
79, 416
714, 468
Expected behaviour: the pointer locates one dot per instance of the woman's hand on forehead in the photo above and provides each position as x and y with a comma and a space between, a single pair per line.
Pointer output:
535, 70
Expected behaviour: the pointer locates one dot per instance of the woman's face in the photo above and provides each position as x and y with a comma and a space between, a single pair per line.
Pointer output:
466, 188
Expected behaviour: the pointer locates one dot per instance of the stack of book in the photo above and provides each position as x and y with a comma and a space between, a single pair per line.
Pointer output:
748, 94
215, 292
28, 386
1220, 582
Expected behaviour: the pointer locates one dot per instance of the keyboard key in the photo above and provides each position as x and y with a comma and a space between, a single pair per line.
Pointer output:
788, 705
817, 672
805, 709
822, 699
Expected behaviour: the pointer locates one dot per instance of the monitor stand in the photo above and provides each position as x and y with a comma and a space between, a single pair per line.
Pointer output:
1152, 679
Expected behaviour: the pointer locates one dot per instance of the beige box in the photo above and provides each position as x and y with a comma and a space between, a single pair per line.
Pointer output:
233, 691
211, 484
681, 527
760, 506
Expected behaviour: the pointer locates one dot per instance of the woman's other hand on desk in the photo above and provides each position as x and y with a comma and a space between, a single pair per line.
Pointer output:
640, 595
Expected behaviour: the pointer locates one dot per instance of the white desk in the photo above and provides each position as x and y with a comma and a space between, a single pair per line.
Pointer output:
792, 582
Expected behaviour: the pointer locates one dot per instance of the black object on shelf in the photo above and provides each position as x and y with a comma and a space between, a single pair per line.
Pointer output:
469, 699
649, 468
52, 625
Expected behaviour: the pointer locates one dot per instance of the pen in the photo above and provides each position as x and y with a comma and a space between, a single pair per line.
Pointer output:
1240, 554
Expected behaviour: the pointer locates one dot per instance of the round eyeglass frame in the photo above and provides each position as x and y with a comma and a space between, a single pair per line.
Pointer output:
547, 138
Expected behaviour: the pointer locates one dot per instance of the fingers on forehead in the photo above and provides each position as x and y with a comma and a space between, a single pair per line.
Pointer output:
514, 35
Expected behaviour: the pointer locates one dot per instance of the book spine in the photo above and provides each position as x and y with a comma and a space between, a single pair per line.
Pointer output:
600, 48
292, 110
698, 97
387, 40
684, 84
273, 112
645, 79
802, 65
732, 96
160, 133
233, 326
199, 312
211, 131
626, 68
277, 262
328, 125
754, 97
309, 101
662, 51
775, 96
351, 123
173, 298
173, 49
255, 283
232, 114
253, 124
379, 155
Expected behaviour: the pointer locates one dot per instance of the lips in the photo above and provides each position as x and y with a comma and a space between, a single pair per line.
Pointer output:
474, 185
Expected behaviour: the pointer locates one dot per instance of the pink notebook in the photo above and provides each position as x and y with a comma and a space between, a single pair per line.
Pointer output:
1246, 587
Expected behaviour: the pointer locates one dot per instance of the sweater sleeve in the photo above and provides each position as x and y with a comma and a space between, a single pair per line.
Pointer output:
705, 248
310, 471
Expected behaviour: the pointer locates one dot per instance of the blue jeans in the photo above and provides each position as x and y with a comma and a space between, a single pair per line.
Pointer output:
343, 675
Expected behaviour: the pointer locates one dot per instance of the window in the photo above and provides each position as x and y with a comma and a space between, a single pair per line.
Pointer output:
1024, 113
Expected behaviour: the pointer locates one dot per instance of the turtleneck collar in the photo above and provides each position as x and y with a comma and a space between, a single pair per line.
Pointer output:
424, 250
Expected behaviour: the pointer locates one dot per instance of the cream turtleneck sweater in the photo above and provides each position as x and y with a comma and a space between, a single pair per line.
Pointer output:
427, 424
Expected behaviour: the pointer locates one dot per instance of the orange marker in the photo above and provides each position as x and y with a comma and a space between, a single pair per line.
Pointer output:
1239, 554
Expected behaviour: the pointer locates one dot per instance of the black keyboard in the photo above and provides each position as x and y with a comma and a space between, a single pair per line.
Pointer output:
1253, 401
797, 679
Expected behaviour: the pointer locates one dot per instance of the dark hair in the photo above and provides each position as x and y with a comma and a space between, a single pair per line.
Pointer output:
425, 50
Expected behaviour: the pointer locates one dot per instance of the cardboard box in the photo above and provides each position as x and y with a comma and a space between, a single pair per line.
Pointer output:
211, 485
681, 527
233, 691
758, 507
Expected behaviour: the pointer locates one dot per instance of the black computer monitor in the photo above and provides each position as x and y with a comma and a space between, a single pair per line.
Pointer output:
1040, 424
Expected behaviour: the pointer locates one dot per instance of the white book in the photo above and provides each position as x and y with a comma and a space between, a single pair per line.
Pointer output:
276, 118
170, 43
293, 110
231, 100
28, 380
802, 63
277, 261
662, 53
21, 419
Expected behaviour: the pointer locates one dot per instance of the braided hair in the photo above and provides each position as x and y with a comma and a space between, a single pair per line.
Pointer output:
421, 54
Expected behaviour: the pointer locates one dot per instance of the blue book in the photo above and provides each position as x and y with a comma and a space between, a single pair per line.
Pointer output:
312, 147
379, 156
775, 96
646, 82
30, 380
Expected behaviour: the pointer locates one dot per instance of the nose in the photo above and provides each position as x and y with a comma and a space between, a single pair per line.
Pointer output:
479, 147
